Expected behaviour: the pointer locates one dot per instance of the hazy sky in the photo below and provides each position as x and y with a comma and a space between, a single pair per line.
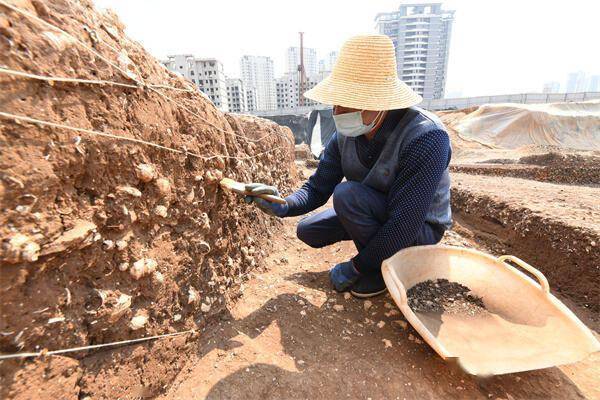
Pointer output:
497, 47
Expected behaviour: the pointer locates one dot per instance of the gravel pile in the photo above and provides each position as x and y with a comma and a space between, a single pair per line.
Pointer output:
443, 296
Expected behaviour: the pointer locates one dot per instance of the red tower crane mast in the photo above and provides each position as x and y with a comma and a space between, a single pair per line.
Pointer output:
301, 72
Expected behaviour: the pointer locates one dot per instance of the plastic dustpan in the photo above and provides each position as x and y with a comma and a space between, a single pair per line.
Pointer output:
525, 328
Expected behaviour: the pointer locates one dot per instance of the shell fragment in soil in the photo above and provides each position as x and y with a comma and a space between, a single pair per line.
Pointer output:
77, 238
19, 248
145, 172
164, 186
193, 296
129, 190
139, 321
143, 267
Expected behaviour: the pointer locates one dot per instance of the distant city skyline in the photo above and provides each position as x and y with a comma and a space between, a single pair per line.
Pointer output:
497, 47
577, 81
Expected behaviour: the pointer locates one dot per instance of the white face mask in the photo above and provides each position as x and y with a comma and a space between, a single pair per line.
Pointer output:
351, 124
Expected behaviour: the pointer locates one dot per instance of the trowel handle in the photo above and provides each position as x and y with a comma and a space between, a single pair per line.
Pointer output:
271, 198
539, 276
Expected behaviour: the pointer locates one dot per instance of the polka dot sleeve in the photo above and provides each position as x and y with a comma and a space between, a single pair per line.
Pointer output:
423, 162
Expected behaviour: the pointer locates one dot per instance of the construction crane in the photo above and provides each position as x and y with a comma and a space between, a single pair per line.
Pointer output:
301, 72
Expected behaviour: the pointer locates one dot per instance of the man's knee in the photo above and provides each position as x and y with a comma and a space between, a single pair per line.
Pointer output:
344, 196
306, 234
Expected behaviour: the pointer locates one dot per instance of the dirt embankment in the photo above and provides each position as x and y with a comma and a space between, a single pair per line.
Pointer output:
553, 227
550, 167
108, 239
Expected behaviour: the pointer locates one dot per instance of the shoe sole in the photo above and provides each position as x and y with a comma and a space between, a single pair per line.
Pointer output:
367, 295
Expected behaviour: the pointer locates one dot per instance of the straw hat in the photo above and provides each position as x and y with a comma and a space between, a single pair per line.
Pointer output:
365, 77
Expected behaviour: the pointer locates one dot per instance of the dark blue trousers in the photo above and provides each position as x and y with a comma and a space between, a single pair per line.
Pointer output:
357, 214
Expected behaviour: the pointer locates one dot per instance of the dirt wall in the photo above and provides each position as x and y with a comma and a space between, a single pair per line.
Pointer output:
555, 174
107, 239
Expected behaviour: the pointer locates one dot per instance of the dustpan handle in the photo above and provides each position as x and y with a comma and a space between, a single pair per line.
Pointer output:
539, 276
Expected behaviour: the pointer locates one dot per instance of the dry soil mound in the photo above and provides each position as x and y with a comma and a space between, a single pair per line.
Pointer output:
103, 238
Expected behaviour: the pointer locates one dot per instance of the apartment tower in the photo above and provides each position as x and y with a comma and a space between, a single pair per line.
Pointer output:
206, 73
421, 36
258, 75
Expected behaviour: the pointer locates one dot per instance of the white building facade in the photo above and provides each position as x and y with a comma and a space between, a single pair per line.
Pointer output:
251, 98
236, 95
206, 73
288, 91
421, 35
292, 60
258, 74
326, 64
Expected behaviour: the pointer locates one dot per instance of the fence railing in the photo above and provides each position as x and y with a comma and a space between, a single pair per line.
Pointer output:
523, 98
463, 102
289, 111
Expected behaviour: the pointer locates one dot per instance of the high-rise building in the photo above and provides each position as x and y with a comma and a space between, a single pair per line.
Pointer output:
206, 73
236, 95
421, 35
251, 98
288, 90
551, 87
594, 84
326, 64
258, 74
576, 82
293, 59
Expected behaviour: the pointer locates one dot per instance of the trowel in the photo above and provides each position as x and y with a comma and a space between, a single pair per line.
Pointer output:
240, 188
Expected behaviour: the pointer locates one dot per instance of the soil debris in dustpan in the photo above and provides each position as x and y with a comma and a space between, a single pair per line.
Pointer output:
443, 296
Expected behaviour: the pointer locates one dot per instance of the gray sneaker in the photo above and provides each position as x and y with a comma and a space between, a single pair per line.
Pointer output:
369, 286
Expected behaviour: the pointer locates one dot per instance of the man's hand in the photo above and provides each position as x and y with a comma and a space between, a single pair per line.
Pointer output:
276, 209
343, 276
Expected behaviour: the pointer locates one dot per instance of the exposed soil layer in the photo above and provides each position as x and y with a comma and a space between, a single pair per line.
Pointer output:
551, 167
566, 175
442, 296
554, 159
554, 228
106, 239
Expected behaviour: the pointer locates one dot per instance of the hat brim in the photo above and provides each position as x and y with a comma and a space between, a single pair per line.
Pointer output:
393, 95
